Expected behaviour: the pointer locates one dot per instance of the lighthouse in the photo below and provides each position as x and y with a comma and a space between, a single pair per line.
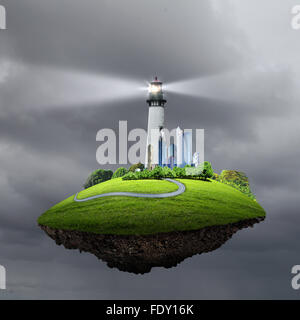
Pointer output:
156, 118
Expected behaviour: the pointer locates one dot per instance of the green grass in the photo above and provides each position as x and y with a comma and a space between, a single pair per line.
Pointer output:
204, 203
115, 185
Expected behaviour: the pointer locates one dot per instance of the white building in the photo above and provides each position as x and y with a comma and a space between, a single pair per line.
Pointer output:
158, 151
156, 118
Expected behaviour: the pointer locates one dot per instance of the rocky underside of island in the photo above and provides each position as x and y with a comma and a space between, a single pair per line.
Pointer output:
140, 253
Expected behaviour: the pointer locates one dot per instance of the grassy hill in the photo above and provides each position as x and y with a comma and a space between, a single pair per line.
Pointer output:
204, 203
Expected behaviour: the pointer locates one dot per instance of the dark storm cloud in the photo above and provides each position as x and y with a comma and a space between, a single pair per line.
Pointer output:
132, 37
248, 108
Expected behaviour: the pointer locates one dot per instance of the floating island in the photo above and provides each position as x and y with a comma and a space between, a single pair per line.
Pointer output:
135, 234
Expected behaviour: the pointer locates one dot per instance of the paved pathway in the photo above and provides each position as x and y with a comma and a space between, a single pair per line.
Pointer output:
180, 190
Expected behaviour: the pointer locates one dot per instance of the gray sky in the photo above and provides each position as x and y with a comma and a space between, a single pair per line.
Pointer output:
61, 61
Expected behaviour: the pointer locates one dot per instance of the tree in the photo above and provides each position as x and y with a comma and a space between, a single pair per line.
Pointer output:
136, 166
236, 177
206, 170
120, 172
98, 176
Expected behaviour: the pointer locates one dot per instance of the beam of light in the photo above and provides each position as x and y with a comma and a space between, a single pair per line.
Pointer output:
46, 87
206, 87
77, 88
237, 85
38, 87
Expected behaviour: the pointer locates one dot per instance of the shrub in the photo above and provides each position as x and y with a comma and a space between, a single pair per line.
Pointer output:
238, 180
216, 177
120, 172
156, 173
179, 172
145, 174
193, 172
206, 170
235, 177
130, 176
98, 176
139, 175
168, 173
136, 166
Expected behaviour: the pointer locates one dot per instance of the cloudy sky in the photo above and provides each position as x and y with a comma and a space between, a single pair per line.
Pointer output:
69, 68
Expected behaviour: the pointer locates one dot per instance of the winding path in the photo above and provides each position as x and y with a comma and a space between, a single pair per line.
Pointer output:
180, 190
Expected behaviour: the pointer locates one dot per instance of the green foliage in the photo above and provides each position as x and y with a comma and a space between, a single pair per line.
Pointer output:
145, 174
206, 170
215, 177
120, 172
157, 173
130, 176
98, 176
203, 171
179, 172
168, 173
137, 166
234, 176
238, 180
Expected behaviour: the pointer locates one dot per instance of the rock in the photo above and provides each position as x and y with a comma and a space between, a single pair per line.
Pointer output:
139, 254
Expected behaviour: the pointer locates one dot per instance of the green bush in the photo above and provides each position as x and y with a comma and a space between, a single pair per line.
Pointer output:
156, 173
216, 177
179, 172
98, 176
206, 170
203, 171
130, 176
145, 174
236, 177
237, 180
137, 166
120, 172
168, 173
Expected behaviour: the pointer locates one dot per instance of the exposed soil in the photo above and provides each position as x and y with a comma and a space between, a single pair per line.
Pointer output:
138, 254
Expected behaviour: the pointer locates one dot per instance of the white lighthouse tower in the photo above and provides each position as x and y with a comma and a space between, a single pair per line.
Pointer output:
156, 118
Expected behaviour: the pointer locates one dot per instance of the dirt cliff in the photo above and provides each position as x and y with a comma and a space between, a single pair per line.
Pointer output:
140, 253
